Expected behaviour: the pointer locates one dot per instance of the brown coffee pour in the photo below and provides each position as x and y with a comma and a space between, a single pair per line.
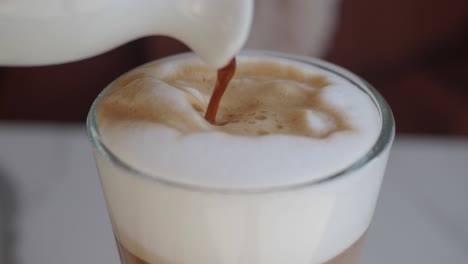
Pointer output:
222, 80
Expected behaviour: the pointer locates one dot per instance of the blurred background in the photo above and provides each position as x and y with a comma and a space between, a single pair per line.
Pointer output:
415, 52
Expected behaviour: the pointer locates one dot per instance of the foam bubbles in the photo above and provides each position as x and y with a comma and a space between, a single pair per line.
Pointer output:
294, 109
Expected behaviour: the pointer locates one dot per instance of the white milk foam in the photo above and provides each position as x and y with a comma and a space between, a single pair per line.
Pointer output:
251, 152
152, 119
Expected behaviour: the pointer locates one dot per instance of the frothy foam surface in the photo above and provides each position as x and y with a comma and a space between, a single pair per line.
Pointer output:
279, 123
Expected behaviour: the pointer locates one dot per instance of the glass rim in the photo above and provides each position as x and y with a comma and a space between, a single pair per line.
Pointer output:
384, 140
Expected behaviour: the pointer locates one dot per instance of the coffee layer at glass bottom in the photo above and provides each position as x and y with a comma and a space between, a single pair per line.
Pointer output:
349, 256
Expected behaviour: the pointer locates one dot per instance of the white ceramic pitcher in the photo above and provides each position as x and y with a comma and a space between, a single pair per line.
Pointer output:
41, 32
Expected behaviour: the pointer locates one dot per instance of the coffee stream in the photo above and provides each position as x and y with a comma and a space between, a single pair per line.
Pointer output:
222, 80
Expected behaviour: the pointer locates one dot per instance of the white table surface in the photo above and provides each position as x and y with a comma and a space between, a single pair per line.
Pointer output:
60, 215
